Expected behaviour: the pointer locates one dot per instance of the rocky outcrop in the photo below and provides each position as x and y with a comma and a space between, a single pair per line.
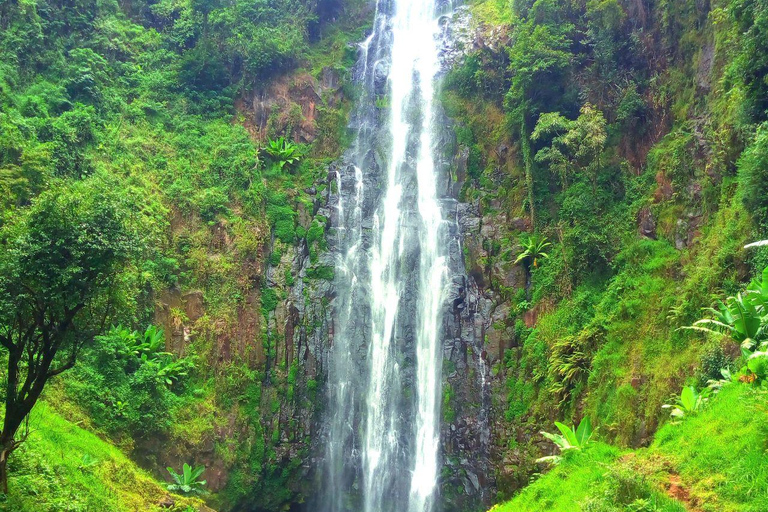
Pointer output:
291, 105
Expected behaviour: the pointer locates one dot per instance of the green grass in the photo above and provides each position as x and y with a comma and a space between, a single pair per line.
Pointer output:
63, 467
595, 480
722, 452
719, 457
567, 483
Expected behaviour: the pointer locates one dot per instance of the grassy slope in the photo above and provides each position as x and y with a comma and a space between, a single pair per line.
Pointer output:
717, 460
49, 473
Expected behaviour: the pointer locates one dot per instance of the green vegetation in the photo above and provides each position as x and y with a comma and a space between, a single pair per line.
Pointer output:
59, 272
571, 438
187, 482
594, 480
690, 402
533, 251
137, 115
713, 461
162, 166
632, 139
64, 467
282, 153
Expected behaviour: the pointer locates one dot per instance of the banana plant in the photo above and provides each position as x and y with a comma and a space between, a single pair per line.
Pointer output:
187, 482
743, 318
570, 438
282, 152
690, 402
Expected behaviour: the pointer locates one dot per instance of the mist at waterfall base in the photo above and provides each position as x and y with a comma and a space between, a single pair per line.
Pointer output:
384, 373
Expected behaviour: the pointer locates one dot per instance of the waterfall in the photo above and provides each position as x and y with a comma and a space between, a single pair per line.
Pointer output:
384, 387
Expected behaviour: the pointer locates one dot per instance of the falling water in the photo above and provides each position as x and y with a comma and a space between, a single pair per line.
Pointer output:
384, 380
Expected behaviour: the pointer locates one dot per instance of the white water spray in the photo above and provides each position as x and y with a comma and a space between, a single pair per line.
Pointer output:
398, 266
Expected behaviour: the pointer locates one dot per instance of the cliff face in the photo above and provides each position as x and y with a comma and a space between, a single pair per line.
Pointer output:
296, 320
275, 344
639, 229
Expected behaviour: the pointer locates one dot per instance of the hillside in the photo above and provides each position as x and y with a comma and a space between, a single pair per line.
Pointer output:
323, 248
714, 461
63, 467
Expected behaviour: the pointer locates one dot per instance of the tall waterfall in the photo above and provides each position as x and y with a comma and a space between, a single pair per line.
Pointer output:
385, 368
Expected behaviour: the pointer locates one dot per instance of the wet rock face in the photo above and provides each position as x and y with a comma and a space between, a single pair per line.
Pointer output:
467, 481
467, 477
474, 335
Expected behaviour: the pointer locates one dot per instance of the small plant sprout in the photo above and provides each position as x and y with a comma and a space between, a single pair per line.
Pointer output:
87, 461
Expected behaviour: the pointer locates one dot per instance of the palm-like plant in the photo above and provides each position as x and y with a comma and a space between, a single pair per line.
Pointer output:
534, 249
128, 343
744, 317
282, 152
187, 482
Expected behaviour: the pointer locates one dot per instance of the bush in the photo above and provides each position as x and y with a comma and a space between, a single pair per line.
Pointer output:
128, 384
753, 178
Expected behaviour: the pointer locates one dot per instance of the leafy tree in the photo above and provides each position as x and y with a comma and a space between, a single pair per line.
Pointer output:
575, 146
58, 271
539, 55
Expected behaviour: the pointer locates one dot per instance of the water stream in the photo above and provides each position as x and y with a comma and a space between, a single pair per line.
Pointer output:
385, 365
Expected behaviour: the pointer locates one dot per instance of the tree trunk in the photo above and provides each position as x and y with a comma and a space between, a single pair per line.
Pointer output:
5, 452
526, 149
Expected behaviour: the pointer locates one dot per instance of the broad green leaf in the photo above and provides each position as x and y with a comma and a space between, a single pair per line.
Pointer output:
568, 433
688, 398
584, 432
558, 440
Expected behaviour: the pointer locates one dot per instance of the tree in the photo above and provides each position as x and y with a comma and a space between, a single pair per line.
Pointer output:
539, 56
576, 146
58, 270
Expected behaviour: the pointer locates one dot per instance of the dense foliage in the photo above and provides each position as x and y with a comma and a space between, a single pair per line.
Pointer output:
139, 110
630, 135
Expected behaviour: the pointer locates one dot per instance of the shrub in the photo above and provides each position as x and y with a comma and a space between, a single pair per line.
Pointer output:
570, 438
753, 177
187, 482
